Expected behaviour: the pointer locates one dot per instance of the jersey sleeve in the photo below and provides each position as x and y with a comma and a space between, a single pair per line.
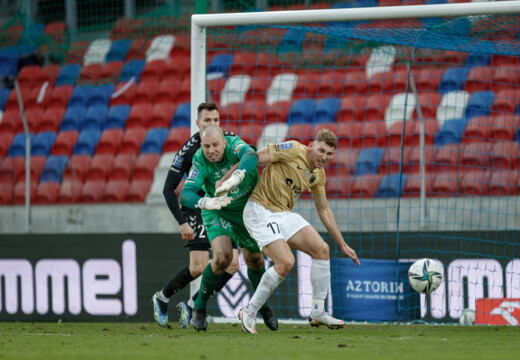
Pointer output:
283, 151
318, 189
173, 178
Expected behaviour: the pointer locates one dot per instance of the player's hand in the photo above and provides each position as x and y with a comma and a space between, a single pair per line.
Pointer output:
187, 232
215, 203
347, 250
231, 183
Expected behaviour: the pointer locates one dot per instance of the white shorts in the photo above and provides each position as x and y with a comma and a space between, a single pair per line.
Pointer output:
266, 226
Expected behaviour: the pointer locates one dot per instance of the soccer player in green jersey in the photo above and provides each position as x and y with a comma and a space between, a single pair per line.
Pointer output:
222, 215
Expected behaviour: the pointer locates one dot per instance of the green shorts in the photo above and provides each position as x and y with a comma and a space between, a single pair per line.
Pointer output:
220, 223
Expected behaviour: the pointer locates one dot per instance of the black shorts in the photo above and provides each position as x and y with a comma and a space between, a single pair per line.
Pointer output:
200, 241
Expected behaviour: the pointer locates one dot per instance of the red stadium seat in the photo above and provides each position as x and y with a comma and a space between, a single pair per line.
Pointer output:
415, 159
352, 108
116, 191
161, 115
371, 134
257, 90
100, 167
70, 192
5, 140
178, 67
77, 168
504, 183
505, 127
49, 73
110, 141
12, 101
506, 101
29, 75
277, 112
139, 116
504, 155
185, 91
110, 72
122, 167
479, 79
144, 167
413, 185
445, 184
19, 192
6, 193
76, 52
9, 167
306, 85
47, 193
428, 79
176, 138
37, 164
11, 122
475, 183
138, 190
137, 49
428, 102
391, 161
506, 77
376, 106
342, 164
356, 82
132, 140
251, 132
153, 70
90, 74
92, 191
125, 94
146, 92
331, 83
364, 185
393, 81
474, 156
301, 132
446, 158
478, 129
65, 142
33, 117
51, 119
60, 96
395, 133
167, 91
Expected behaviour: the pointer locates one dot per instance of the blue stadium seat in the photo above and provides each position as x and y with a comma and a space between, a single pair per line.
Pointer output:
479, 104
220, 66
73, 117
292, 41
8, 64
389, 186
17, 147
95, 117
68, 75
116, 117
87, 141
154, 141
451, 132
453, 79
478, 59
118, 50
366, 3
101, 95
302, 111
81, 95
342, 5
53, 169
132, 68
181, 116
43, 143
32, 34
368, 161
326, 110
4, 95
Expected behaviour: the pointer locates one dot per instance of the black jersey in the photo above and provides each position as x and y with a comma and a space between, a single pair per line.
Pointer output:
180, 167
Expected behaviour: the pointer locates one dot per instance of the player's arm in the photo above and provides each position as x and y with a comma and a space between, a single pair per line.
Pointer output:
263, 156
248, 162
190, 198
327, 218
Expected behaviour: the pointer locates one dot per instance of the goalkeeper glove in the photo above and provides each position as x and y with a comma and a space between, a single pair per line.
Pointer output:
215, 203
231, 183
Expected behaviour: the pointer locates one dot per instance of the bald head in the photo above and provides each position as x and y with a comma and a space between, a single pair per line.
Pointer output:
212, 131
213, 143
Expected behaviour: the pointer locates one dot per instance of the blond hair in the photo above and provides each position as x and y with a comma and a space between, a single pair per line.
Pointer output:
328, 137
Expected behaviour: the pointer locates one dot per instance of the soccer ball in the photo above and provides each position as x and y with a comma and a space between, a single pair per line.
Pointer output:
425, 275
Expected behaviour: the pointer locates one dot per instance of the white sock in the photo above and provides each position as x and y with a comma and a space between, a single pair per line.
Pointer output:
320, 280
269, 282
163, 298
191, 303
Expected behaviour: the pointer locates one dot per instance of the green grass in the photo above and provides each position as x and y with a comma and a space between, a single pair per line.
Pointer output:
227, 341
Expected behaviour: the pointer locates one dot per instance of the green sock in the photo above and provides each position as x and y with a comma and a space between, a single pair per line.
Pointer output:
208, 284
255, 276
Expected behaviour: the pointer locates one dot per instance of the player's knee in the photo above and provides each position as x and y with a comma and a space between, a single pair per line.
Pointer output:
233, 267
322, 251
222, 260
196, 270
254, 261
283, 267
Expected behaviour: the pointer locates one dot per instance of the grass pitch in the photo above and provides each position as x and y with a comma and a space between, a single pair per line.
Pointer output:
226, 341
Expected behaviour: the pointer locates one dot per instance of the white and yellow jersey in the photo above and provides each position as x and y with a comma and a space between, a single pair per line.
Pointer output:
286, 177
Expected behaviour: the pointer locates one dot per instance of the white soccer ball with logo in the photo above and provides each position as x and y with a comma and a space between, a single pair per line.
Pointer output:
425, 275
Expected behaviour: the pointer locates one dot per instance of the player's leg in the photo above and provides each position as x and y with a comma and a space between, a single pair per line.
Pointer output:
310, 242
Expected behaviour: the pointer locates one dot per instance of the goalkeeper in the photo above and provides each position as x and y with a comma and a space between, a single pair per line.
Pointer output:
222, 215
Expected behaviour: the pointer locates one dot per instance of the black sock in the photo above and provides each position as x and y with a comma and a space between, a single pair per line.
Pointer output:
223, 281
178, 282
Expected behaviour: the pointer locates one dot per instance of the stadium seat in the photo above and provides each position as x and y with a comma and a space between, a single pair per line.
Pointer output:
48, 73
504, 155
428, 102
302, 111
111, 72
428, 79
160, 48
504, 183
100, 95
392, 185
144, 167
167, 91
375, 107
368, 161
474, 156
54, 168
342, 164
47, 193
8, 64
327, 110
477, 60
356, 83
331, 83
364, 185
87, 142
352, 108
219, 66
95, 117
97, 51
116, 191
6, 193
381, 59
178, 67
395, 133
446, 158
235, 90
176, 138
60, 96
138, 190
475, 183
68, 75
116, 117
301, 132
445, 184
118, 50
452, 106
12, 101
122, 167
36, 167
5, 141
42, 143
73, 117
9, 167
413, 185
4, 95
185, 91
92, 192
139, 116
123, 93
65, 142
145, 92
453, 79
89, 74
51, 120
393, 81
479, 104
110, 141
19, 192
154, 140
132, 69
479, 78
368, 134
70, 192
132, 140
28, 75
391, 160
100, 167
506, 101
162, 115
291, 41
400, 109
181, 117
33, 117
77, 168
250, 132
478, 129
81, 95
505, 78
281, 88
153, 71
17, 147
306, 86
